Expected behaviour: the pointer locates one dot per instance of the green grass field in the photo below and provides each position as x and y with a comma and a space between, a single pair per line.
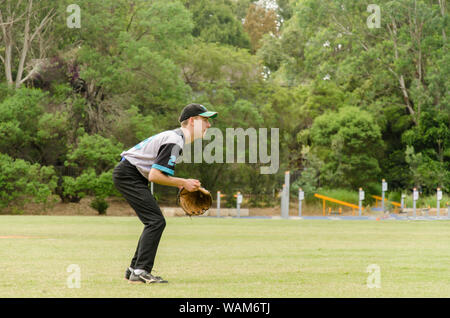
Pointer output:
207, 257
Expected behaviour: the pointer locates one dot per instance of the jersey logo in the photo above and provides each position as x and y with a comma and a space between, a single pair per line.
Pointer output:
142, 143
172, 161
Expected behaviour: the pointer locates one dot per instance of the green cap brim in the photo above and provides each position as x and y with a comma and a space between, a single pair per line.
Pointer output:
209, 114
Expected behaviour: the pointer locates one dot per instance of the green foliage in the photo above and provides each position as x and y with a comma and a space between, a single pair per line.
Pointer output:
94, 158
76, 188
309, 179
100, 205
349, 143
426, 201
89, 183
94, 151
214, 21
353, 104
426, 171
22, 182
18, 124
209, 66
340, 194
126, 57
30, 133
52, 138
134, 127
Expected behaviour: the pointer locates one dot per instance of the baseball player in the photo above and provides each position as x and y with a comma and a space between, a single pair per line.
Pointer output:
154, 160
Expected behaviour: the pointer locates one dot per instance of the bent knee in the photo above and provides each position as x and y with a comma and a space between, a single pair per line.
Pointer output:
159, 223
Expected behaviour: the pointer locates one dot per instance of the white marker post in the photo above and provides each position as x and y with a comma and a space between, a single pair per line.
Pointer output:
301, 197
415, 198
448, 210
403, 201
283, 201
151, 187
286, 182
439, 198
361, 199
383, 190
238, 203
218, 204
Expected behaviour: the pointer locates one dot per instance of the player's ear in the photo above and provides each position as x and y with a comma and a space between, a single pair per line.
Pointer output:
192, 120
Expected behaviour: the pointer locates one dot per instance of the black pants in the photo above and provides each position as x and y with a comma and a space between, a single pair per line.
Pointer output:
134, 187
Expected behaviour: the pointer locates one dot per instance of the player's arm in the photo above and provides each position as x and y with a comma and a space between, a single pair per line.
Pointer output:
157, 176
163, 169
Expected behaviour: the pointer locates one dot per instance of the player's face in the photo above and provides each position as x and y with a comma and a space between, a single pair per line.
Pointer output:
201, 124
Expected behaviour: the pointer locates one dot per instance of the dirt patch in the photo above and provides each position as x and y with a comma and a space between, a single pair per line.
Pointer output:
120, 207
117, 207
17, 237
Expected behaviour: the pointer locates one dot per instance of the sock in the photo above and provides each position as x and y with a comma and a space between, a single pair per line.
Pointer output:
139, 271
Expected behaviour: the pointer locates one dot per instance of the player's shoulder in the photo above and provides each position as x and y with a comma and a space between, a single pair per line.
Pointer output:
171, 137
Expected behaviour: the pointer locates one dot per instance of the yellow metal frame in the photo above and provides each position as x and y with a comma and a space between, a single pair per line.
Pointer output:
396, 204
325, 198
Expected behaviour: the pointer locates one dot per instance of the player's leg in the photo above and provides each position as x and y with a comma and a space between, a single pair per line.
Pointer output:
134, 187
154, 223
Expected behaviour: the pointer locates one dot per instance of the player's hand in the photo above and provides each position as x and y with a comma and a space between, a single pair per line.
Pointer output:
191, 185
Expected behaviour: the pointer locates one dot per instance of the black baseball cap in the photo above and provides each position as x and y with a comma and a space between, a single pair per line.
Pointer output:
193, 110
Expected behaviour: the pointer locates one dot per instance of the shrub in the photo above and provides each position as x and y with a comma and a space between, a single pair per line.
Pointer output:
100, 205
89, 183
21, 182
94, 151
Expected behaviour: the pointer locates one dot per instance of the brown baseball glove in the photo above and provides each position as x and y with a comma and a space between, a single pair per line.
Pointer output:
194, 203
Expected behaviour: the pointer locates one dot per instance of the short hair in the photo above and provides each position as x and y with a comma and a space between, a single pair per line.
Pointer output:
185, 122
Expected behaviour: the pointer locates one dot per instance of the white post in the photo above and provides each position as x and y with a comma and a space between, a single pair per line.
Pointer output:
361, 199
415, 198
286, 182
383, 190
301, 197
283, 202
448, 210
238, 203
151, 187
439, 198
218, 204
403, 201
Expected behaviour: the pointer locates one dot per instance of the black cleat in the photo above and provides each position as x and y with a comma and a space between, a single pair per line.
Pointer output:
146, 278
128, 273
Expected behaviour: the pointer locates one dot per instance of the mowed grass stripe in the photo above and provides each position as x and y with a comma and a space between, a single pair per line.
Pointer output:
208, 257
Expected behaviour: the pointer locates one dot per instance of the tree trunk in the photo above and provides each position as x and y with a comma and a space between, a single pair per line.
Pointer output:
7, 39
9, 34
442, 7
401, 79
26, 43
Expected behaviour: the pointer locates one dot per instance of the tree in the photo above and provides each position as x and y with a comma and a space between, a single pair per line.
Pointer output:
260, 21
215, 66
92, 161
397, 72
122, 56
349, 143
215, 21
23, 23
22, 182
19, 121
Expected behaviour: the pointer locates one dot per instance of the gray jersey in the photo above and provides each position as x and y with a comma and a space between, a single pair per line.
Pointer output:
159, 151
